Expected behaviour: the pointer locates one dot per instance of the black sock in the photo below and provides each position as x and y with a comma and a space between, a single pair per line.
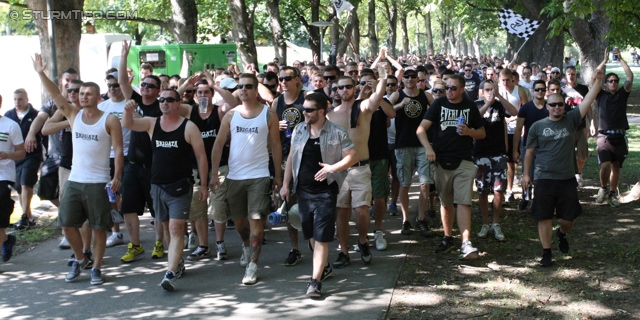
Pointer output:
204, 247
546, 252
560, 234
219, 242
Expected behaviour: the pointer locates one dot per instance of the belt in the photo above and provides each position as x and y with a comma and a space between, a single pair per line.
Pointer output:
361, 163
613, 131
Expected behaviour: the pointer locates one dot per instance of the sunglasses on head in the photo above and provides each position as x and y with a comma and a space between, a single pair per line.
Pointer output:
70, 90
540, 89
329, 78
556, 104
148, 85
244, 86
407, 76
113, 85
287, 78
347, 86
168, 99
453, 88
436, 90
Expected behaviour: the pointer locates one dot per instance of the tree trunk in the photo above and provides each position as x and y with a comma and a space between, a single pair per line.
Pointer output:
405, 32
67, 36
589, 36
392, 17
355, 35
184, 20
373, 38
348, 31
242, 31
280, 46
428, 32
476, 46
538, 48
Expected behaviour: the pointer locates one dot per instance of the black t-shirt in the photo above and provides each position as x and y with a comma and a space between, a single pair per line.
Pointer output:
309, 166
140, 144
471, 87
409, 118
378, 144
612, 110
530, 113
292, 113
447, 143
321, 90
494, 126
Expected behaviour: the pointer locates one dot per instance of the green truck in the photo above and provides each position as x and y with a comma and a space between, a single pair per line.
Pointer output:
182, 59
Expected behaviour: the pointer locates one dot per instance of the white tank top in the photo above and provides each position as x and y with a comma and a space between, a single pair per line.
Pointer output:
248, 154
514, 99
91, 148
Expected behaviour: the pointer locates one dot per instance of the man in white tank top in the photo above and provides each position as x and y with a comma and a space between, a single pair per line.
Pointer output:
251, 126
94, 133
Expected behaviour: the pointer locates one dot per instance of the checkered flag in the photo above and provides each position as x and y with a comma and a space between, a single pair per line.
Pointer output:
516, 24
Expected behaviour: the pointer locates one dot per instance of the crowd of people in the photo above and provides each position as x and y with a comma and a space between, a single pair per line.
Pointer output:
330, 139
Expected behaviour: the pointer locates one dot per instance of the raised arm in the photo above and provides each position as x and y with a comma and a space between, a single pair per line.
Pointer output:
52, 89
596, 86
123, 78
626, 69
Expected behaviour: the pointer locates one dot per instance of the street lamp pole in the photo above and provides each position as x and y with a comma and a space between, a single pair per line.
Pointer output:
321, 25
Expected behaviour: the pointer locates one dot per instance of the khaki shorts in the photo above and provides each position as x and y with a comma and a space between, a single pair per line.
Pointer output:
582, 145
380, 178
455, 186
356, 189
85, 201
249, 199
218, 206
199, 208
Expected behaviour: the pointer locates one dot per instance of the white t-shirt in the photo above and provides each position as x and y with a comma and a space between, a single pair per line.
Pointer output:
116, 109
10, 137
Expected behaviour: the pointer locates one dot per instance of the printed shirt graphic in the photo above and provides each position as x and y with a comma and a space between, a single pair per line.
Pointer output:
555, 141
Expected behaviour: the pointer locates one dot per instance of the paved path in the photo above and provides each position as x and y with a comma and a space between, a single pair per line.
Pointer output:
33, 286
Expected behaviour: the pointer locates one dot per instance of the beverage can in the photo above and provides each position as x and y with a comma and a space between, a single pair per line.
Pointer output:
461, 120
112, 195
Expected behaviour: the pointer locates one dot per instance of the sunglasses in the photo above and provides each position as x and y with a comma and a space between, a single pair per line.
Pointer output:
467, 70
362, 83
412, 76
287, 78
556, 104
555, 72
168, 100
309, 110
526, 73
421, 80
148, 85
71, 90
271, 86
329, 78
540, 89
435, 90
189, 91
352, 72
452, 88
113, 85
613, 81
346, 86
244, 86
392, 84
334, 89
174, 87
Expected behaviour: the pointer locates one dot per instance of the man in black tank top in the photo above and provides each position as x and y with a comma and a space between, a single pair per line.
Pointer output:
173, 139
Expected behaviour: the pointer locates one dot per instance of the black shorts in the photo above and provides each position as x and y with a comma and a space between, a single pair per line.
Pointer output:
612, 150
48, 188
136, 189
560, 196
510, 149
27, 172
317, 215
6, 203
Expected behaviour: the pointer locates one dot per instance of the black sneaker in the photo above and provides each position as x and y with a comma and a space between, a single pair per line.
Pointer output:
327, 272
24, 223
546, 259
523, 204
365, 253
424, 227
7, 247
406, 228
231, 224
314, 290
431, 213
294, 257
445, 245
563, 244
212, 226
342, 261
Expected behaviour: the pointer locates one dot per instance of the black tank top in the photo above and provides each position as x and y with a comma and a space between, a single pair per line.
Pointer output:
171, 154
209, 128
408, 119
139, 143
292, 113
378, 144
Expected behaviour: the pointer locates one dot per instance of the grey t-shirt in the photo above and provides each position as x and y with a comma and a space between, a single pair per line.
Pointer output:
555, 143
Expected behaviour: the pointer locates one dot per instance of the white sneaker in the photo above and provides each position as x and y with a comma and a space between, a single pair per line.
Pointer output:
381, 243
114, 239
579, 179
516, 180
484, 231
250, 276
246, 255
602, 194
64, 244
193, 241
497, 232
222, 251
